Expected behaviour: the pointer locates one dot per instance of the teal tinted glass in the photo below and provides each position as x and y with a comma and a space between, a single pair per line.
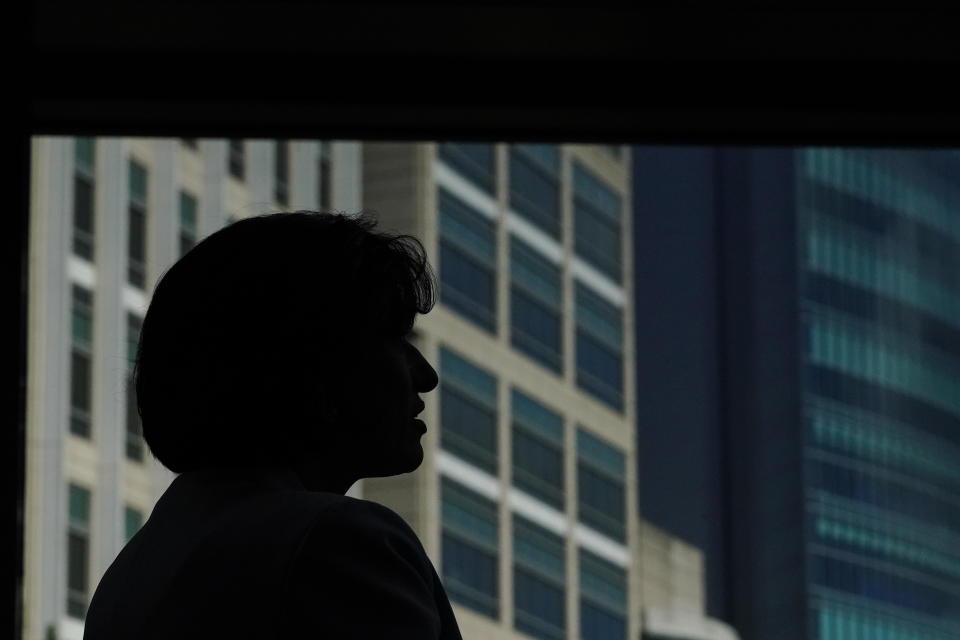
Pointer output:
132, 521
468, 377
538, 549
188, 212
602, 319
83, 153
534, 416
599, 454
545, 155
138, 181
533, 273
81, 320
79, 505
466, 227
602, 581
592, 191
469, 514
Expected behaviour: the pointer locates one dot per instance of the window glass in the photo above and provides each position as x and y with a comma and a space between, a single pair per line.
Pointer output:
467, 261
537, 443
535, 185
475, 162
468, 411
470, 548
601, 499
539, 577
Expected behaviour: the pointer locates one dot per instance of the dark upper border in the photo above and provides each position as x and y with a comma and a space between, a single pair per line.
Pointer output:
572, 71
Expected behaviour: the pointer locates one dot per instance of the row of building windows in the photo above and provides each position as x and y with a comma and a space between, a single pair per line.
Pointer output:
534, 194
883, 313
916, 245
138, 181
845, 255
81, 379
78, 546
468, 285
871, 487
470, 567
837, 622
880, 178
876, 440
880, 544
873, 583
236, 165
468, 429
864, 352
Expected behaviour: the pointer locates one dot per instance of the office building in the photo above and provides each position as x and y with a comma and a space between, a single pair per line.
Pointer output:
107, 217
526, 496
823, 357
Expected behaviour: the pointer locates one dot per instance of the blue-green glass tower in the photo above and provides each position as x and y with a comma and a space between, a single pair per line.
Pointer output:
799, 390
879, 269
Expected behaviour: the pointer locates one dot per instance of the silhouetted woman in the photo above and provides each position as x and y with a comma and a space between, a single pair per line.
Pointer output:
273, 372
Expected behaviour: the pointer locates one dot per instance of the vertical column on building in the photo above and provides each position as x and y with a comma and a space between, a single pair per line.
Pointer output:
502, 194
569, 372
45, 499
345, 183
211, 215
163, 249
109, 359
259, 172
630, 404
304, 179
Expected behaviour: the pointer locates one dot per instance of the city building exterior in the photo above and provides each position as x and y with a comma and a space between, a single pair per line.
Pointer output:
823, 358
526, 497
108, 216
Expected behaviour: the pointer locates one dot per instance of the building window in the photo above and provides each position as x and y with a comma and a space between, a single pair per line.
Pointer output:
539, 575
596, 221
137, 236
134, 440
78, 551
132, 521
537, 447
601, 502
603, 598
281, 172
81, 356
83, 200
236, 159
535, 185
188, 222
470, 548
536, 306
468, 411
468, 253
475, 162
323, 176
599, 344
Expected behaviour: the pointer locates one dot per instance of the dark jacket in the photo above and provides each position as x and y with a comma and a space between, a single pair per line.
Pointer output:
253, 554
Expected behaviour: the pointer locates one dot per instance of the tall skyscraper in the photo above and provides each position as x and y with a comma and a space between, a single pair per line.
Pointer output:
826, 362
107, 217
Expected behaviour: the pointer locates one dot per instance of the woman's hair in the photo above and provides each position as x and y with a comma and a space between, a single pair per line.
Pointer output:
242, 342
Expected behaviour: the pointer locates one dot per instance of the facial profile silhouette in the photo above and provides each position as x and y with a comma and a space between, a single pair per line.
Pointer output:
274, 370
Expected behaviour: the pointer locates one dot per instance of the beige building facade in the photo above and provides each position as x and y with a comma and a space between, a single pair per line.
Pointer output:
108, 216
448, 195
673, 589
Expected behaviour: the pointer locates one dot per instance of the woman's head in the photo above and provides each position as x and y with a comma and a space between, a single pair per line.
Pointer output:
254, 346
